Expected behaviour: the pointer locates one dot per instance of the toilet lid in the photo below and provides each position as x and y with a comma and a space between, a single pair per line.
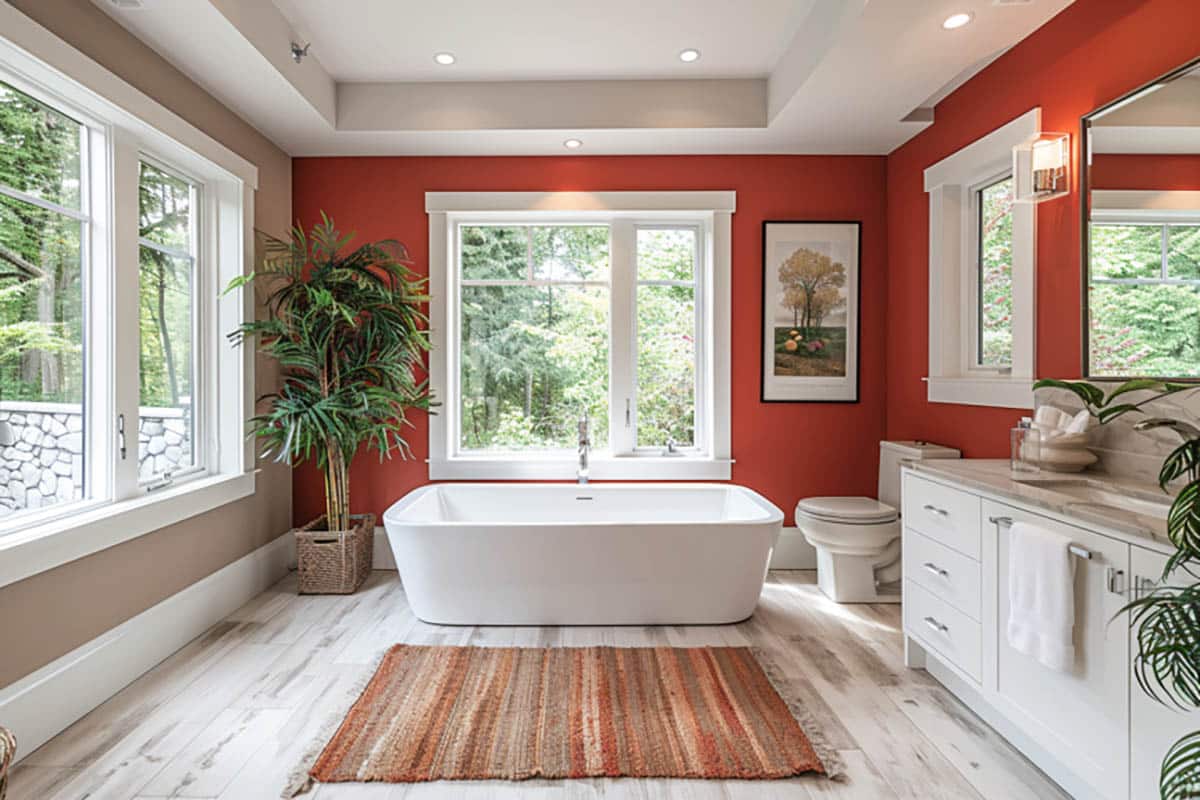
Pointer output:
848, 509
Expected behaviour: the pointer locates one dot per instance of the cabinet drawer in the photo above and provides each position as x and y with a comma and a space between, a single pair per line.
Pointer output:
942, 628
949, 516
945, 573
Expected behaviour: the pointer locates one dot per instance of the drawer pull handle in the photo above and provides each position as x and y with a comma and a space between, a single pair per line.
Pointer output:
935, 569
941, 512
937, 626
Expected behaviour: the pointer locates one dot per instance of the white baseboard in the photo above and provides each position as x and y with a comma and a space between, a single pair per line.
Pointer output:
47, 701
793, 551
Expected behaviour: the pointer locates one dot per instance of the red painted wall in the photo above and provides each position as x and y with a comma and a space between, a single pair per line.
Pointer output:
785, 451
1091, 53
1129, 171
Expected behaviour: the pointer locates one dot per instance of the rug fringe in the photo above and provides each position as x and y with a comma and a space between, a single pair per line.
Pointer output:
300, 780
831, 761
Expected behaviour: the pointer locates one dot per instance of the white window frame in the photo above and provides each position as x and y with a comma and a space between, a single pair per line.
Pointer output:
955, 375
201, 290
710, 212
124, 127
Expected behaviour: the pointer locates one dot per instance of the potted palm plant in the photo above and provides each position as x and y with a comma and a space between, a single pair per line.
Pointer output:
1167, 618
349, 331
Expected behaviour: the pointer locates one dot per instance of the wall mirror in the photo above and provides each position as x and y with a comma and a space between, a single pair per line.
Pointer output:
1141, 232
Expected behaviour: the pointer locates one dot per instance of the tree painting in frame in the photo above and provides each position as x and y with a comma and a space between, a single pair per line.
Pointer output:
810, 311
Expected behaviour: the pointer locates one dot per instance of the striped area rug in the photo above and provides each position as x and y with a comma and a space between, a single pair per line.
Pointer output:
458, 713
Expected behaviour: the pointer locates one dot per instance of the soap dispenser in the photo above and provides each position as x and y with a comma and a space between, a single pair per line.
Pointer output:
1026, 443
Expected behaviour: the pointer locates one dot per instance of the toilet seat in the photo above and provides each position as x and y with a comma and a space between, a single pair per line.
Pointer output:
847, 510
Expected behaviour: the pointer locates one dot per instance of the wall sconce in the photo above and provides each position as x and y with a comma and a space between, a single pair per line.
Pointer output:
1042, 168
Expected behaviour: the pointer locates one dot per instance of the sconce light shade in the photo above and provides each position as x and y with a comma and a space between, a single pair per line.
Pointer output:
1042, 167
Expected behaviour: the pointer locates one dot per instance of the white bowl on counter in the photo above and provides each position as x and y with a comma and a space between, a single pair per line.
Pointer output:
1066, 453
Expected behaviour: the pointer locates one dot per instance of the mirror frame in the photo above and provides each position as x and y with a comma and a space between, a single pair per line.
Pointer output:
1085, 207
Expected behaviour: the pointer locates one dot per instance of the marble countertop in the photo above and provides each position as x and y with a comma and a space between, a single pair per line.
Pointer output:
1135, 511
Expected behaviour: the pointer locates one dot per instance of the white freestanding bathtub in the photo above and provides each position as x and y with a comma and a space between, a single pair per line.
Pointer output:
563, 554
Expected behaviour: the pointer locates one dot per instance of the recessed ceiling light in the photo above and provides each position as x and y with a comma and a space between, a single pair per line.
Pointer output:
689, 55
573, 144
955, 21
445, 59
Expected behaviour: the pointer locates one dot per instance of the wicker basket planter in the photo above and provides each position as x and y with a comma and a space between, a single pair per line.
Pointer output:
335, 562
8, 751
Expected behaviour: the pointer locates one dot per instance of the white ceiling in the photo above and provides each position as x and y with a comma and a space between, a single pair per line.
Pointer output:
776, 76
546, 39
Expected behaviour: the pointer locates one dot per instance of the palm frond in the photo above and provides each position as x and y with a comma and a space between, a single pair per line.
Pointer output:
1180, 775
349, 330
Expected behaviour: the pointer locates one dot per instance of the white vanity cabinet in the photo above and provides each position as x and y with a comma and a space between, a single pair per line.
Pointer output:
1090, 728
1154, 726
1081, 715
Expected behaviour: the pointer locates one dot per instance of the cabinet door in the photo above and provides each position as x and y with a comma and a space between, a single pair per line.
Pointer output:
1153, 727
1080, 716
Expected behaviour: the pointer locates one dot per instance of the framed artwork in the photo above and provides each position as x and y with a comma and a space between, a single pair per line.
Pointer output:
810, 311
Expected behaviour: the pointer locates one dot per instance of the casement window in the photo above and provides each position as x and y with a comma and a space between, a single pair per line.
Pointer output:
122, 405
551, 308
982, 260
1143, 295
991, 325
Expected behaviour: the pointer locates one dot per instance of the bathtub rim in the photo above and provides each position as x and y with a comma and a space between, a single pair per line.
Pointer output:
774, 514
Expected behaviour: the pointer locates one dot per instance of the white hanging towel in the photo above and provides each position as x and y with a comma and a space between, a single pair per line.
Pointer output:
1041, 595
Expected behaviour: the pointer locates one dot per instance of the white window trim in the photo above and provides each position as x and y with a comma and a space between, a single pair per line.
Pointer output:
951, 184
131, 125
712, 210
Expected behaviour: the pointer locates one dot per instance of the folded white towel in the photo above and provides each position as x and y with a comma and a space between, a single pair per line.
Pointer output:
1050, 418
1080, 422
1041, 595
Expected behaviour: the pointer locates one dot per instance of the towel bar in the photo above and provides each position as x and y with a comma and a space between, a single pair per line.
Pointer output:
1076, 550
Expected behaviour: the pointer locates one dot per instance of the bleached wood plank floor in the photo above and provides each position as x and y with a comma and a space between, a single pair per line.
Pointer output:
230, 715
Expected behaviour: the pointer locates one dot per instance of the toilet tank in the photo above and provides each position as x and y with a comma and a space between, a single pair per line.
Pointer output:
891, 457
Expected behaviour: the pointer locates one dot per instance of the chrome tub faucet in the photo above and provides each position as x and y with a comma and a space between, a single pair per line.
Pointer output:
585, 444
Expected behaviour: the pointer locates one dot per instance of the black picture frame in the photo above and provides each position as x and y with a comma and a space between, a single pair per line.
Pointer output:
772, 386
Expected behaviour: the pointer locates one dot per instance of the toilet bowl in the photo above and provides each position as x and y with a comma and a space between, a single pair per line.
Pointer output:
857, 540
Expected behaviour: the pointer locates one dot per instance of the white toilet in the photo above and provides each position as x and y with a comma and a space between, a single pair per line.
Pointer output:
857, 538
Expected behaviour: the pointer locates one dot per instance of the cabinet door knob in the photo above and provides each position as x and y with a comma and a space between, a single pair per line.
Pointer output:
935, 569
937, 626
935, 510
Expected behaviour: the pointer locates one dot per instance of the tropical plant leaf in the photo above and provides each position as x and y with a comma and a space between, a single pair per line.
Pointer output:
1147, 384
1183, 523
1089, 394
238, 282
349, 331
1109, 413
1167, 662
1180, 775
1183, 460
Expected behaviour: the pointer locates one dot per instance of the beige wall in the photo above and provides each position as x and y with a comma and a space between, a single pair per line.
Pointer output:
47, 615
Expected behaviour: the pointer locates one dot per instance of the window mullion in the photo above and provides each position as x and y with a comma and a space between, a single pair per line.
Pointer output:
1165, 247
125, 297
622, 338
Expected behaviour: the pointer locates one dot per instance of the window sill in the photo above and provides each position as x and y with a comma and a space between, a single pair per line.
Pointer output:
50, 544
607, 468
997, 392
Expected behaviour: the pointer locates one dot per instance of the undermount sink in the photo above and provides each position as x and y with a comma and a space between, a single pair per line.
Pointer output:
1097, 496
